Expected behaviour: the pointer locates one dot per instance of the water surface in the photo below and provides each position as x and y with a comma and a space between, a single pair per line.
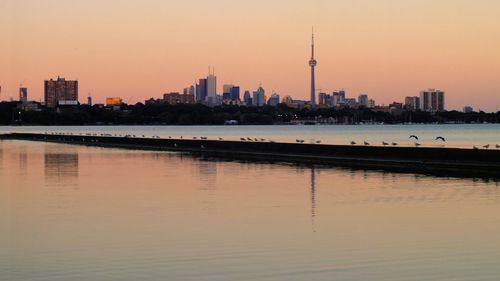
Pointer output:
87, 213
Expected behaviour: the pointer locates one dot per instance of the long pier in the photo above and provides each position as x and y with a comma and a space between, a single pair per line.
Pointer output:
432, 160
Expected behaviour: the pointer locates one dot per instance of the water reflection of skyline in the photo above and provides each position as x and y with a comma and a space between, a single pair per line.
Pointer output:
61, 167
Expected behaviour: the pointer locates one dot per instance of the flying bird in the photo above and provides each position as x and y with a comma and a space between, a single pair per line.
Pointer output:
440, 138
413, 136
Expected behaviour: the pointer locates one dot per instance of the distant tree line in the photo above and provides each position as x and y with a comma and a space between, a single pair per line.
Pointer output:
197, 114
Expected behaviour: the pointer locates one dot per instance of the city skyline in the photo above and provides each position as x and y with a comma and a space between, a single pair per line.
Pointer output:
360, 52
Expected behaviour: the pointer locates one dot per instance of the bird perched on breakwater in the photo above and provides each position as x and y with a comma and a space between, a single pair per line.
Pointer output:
475, 147
414, 137
417, 144
242, 139
486, 146
353, 142
497, 146
300, 141
440, 138
318, 141
394, 143
385, 143
195, 138
366, 143
249, 139
221, 139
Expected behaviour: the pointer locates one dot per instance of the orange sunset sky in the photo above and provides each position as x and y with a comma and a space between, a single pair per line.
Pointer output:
139, 49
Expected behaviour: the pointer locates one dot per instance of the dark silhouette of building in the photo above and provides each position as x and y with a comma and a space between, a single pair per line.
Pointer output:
202, 95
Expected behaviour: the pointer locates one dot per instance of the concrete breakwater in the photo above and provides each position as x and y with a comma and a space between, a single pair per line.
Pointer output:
444, 161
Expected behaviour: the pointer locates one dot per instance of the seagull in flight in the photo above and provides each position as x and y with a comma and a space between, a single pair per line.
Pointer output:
440, 138
413, 136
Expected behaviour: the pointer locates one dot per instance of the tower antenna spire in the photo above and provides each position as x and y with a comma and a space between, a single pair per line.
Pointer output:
312, 64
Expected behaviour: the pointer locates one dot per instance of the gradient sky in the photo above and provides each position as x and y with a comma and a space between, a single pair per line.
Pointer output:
142, 48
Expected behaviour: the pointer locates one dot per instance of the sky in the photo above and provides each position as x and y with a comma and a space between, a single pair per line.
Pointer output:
139, 49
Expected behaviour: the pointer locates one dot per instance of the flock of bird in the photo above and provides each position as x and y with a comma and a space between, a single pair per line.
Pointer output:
415, 137
249, 139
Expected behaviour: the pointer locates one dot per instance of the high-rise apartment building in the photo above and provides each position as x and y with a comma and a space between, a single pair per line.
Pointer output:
432, 100
412, 103
60, 92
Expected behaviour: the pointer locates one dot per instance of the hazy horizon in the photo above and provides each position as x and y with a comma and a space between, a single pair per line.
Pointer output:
142, 49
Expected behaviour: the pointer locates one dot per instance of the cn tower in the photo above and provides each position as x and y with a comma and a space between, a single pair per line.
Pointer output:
312, 64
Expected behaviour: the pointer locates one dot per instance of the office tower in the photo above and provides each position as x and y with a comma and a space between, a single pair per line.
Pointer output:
273, 100
211, 89
338, 98
226, 91
202, 96
432, 100
89, 101
259, 97
312, 64
23, 95
235, 93
363, 100
247, 98
60, 92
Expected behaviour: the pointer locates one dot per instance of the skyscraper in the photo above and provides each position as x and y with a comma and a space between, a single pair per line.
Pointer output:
247, 98
259, 97
60, 92
23, 95
202, 93
363, 100
312, 64
211, 89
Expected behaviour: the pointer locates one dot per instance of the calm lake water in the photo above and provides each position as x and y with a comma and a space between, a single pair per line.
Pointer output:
463, 135
86, 213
